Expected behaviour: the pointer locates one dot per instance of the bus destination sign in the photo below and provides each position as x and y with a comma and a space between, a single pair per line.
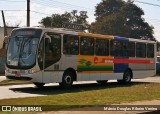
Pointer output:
18, 33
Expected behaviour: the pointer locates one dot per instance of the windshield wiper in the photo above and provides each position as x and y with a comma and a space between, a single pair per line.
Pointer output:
18, 51
22, 50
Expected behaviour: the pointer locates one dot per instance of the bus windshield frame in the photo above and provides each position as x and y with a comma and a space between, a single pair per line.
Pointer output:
22, 48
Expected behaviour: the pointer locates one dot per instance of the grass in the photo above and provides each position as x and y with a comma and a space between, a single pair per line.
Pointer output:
93, 94
85, 95
13, 82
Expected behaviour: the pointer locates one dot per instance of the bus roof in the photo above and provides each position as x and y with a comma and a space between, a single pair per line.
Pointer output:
72, 32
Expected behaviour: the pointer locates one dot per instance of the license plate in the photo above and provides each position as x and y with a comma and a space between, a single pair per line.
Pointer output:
17, 73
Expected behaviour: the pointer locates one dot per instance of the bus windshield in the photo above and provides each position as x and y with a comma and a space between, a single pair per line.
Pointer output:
22, 51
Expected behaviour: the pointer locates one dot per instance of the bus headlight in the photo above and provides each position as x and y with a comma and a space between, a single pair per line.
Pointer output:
8, 70
31, 71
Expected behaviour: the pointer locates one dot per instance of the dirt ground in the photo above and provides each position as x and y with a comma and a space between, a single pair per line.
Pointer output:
89, 110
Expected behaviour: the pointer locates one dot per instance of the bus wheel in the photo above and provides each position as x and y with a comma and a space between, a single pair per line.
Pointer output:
127, 76
39, 85
102, 81
67, 80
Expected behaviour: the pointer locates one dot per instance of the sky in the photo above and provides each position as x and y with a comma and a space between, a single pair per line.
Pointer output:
15, 11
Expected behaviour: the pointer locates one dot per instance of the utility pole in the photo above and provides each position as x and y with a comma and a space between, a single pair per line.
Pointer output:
28, 13
5, 29
4, 23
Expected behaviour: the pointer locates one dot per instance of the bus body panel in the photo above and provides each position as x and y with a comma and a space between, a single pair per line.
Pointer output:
98, 76
143, 74
52, 76
68, 61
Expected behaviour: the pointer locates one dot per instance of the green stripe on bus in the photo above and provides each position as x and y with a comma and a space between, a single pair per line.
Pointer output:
95, 68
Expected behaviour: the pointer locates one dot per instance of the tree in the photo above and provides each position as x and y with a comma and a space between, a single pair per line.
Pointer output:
120, 18
110, 25
108, 7
57, 19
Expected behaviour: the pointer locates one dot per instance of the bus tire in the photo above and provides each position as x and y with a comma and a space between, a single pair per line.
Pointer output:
127, 76
67, 80
39, 85
102, 81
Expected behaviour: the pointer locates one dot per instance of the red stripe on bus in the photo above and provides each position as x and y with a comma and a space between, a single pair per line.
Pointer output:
133, 61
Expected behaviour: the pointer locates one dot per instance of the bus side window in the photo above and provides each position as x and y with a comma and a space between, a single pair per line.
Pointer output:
141, 50
125, 48
70, 44
150, 50
102, 47
52, 48
131, 49
87, 46
116, 48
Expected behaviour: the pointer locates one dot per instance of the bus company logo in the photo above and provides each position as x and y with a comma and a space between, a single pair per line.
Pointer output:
151, 61
108, 61
6, 108
103, 60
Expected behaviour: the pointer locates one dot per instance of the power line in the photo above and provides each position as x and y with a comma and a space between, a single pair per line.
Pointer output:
39, 12
147, 3
50, 2
12, 10
62, 6
11, 1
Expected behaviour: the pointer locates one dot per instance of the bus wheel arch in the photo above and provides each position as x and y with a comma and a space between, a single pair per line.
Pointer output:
69, 76
127, 76
130, 72
39, 85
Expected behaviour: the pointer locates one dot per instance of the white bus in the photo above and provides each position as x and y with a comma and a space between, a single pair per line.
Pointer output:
45, 55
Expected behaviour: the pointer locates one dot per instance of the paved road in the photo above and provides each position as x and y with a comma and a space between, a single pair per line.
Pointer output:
2, 78
29, 90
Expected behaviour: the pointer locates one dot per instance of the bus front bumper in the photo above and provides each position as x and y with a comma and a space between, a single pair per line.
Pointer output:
18, 78
14, 76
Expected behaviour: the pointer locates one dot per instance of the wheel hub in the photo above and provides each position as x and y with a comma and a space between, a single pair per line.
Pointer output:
68, 79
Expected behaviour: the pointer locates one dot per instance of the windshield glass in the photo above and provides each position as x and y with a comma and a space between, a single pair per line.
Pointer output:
22, 51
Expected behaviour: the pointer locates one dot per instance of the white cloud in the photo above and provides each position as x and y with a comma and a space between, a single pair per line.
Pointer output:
38, 12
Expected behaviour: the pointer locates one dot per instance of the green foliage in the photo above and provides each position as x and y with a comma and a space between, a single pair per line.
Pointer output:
120, 18
57, 19
110, 25
108, 7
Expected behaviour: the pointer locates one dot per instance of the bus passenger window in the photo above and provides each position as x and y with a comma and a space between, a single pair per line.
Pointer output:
150, 50
131, 49
87, 46
116, 48
48, 48
141, 50
102, 47
70, 45
52, 48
